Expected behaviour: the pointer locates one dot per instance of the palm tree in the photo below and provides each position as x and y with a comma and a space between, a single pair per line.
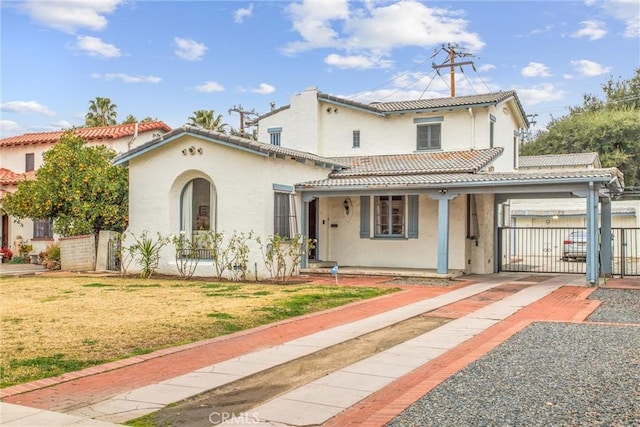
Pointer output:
207, 119
101, 113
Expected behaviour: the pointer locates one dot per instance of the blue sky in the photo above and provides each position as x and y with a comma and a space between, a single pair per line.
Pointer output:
166, 59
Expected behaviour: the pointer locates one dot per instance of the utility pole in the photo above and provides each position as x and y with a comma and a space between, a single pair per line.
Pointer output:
242, 112
452, 64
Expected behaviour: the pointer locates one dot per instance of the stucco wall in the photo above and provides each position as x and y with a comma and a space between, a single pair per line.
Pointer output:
343, 244
327, 129
243, 183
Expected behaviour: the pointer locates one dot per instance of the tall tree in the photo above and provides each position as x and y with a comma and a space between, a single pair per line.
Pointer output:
207, 119
610, 127
131, 119
102, 112
78, 187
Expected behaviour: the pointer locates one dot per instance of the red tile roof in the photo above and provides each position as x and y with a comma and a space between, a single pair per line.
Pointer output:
9, 177
89, 134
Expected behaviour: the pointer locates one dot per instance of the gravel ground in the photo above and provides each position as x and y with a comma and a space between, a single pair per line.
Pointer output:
424, 281
618, 306
549, 374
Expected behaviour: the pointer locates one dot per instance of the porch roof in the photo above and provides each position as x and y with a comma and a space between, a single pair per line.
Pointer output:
584, 160
463, 180
469, 161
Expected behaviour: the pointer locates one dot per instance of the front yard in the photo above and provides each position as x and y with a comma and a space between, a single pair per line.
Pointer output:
53, 325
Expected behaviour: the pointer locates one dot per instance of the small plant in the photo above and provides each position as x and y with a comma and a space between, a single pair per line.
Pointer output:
6, 254
187, 254
282, 255
231, 255
18, 259
50, 257
145, 251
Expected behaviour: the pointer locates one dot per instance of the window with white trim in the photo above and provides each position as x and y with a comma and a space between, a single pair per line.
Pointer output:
29, 162
428, 132
356, 139
43, 229
284, 218
389, 216
275, 135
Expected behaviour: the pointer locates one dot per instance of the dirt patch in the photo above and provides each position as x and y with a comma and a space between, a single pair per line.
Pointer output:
251, 391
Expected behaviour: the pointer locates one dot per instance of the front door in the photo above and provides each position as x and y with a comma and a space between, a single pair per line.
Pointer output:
5, 231
312, 232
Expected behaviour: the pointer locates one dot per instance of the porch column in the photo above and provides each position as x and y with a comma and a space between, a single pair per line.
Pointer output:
592, 234
606, 237
443, 197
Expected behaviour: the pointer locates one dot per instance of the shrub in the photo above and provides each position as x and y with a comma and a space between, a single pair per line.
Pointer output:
282, 255
6, 254
145, 251
18, 259
50, 257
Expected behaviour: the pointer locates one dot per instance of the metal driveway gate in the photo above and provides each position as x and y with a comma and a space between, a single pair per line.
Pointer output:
562, 250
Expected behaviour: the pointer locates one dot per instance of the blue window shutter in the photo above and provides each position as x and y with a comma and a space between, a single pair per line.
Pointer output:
365, 226
413, 217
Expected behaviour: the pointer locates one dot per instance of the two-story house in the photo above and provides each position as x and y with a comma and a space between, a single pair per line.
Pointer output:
22, 155
404, 185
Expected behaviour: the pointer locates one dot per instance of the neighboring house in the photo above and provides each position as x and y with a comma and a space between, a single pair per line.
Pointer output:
21, 156
410, 184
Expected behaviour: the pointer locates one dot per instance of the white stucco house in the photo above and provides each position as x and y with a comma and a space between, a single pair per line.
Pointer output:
21, 156
409, 184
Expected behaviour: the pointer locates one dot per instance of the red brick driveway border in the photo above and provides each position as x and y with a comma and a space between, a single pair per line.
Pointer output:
103, 381
567, 304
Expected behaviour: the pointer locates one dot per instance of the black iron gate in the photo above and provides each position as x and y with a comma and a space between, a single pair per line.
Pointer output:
563, 250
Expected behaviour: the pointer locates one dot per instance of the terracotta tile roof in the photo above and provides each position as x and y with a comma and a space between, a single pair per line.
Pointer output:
243, 143
461, 180
560, 160
89, 134
8, 177
470, 161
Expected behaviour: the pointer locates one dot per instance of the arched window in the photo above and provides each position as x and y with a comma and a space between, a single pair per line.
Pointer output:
197, 207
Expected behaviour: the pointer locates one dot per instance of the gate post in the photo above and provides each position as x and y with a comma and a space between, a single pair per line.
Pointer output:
606, 238
592, 234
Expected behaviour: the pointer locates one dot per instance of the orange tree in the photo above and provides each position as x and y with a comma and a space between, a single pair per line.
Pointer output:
77, 186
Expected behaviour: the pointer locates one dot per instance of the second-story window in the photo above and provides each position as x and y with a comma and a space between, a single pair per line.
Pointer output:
356, 139
274, 135
29, 162
428, 136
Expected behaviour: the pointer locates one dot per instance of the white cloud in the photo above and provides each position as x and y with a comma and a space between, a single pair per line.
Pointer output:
545, 92
62, 124
589, 68
94, 46
264, 89
209, 87
71, 15
535, 69
356, 61
127, 78
26, 107
240, 14
486, 67
8, 127
371, 31
625, 11
593, 30
189, 49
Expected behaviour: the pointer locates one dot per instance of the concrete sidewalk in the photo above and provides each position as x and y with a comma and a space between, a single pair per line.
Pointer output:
313, 403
